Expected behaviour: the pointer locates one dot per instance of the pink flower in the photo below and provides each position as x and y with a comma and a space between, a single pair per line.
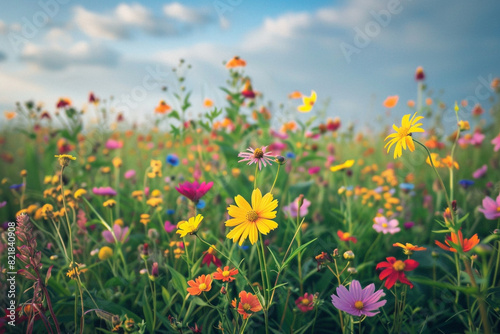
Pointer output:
104, 191
384, 226
496, 141
305, 303
121, 234
314, 170
169, 227
112, 144
480, 172
194, 190
477, 138
292, 208
357, 301
129, 174
491, 208
258, 155
279, 135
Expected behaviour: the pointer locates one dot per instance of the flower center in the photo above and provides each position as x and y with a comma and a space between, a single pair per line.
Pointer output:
306, 301
202, 287
246, 307
384, 225
347, 235
498, 209
399, 265
359, 305
258, 153
225, 273
252, 216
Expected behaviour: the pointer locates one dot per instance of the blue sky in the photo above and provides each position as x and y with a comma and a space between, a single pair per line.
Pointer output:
353, 53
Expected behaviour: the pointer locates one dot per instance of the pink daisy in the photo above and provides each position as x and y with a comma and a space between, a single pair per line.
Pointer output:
357, 301
384, 226
194, 190
258, 155
491, 208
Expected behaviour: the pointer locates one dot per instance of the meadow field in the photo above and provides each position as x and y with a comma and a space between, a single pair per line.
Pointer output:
213, 219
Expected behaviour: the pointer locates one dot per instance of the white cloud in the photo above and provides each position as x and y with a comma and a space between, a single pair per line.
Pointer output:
3, 28
185, 14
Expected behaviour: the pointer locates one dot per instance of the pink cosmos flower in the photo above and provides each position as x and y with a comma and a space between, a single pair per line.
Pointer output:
477, 138
194, 190
314, 170
496, 141
491, 208
479, 173
305, 303
129, 174
169, 227
120, 233
258, 155
112, 144
104, 191
279, 135
384, 226
292, 208
357, 301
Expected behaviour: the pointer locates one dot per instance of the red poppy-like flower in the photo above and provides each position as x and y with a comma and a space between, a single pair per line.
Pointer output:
248, 90
346, 236
394, 271
248, 305
63, 102
225, 275
209, 258
194, 190
305, 303
458, 239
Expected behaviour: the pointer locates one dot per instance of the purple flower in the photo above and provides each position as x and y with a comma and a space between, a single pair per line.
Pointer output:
104, 191
120, 233
384, 226
258, 155
193, 190
491, 208
357, 301
129, 174
480, 172
292, 208
2, 204
408, 225
113, 144
169, 227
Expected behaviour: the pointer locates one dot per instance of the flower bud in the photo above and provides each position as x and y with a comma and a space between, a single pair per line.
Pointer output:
349, 255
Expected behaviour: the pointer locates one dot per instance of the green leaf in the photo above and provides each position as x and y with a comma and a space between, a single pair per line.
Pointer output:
199, 301
166, 295
174, 114
275, 259
116, 281
178, 281
297, 251
148, 313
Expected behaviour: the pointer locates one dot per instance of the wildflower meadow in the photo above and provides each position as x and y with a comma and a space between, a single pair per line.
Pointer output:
227, 222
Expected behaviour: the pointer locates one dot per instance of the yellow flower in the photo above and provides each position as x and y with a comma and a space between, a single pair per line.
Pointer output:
402, 138
64, 159
154, 202
23, 173
137, 194
109, 203
156, 193
190, 226
347, 164
75, 271
464, 125
118, 221
145, 218
105, 253
105, 170
435, 160
308, 102
117, 162
155, 169
248, 220
79, 193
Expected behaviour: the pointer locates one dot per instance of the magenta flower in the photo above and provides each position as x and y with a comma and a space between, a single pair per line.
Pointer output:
104, 191
258, 155
112, 144
314, 170
129, 174
194, 190
357, 301
120, 233
479, 173
305, 303
169, 227
496, 141
477, 138
292, 208
384, 226
491, 208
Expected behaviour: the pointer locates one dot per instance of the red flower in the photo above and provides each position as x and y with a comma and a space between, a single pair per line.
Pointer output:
247, 90
394, 271
458, 240
305, 303
193, 190
209, 257
345, 236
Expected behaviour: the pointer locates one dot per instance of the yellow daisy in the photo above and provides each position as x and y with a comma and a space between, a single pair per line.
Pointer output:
250, 220
190, 226
307, 102
402, 138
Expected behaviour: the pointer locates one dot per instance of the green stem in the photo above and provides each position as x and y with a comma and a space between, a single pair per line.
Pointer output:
275, 178
483, 311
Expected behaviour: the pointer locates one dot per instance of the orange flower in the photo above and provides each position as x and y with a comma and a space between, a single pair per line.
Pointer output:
458, 240
411, 103
236, 62
346, 236
295, 95
248, 304
225, 275
391, 101
449, 162
408, 249
10, 114
428, 101
201, 284
162, 108
208, 103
